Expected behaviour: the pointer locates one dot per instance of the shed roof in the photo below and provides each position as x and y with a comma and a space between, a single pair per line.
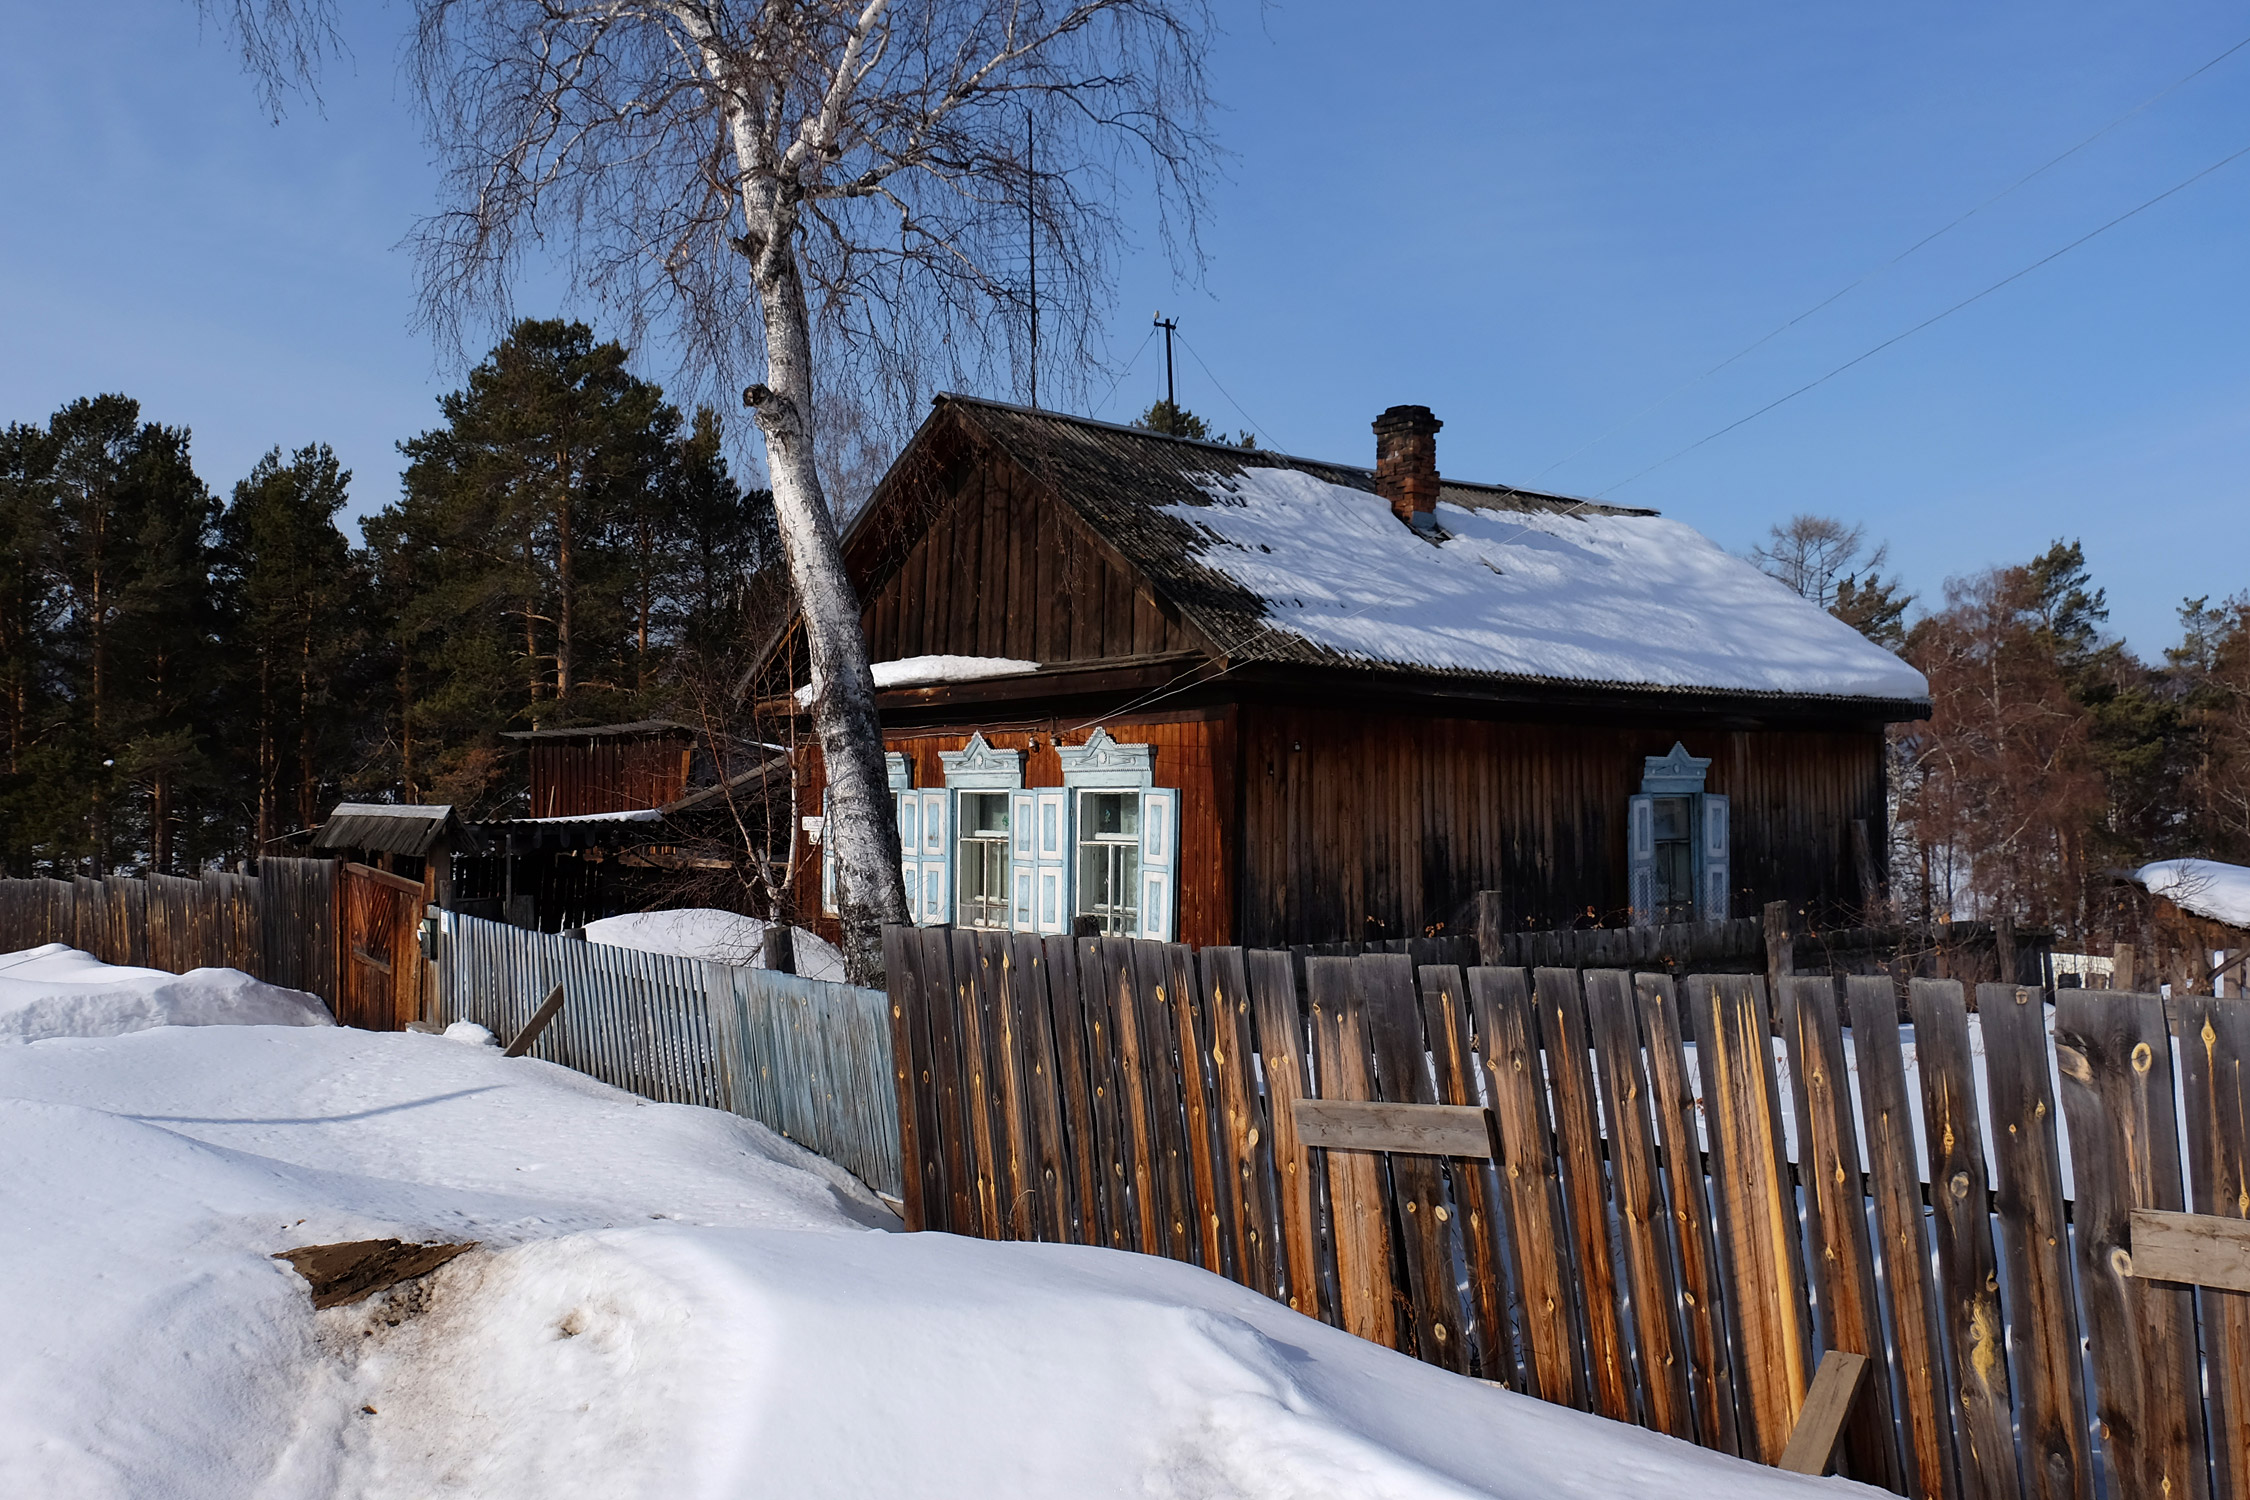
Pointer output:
638, 729
411, 828
1277, 558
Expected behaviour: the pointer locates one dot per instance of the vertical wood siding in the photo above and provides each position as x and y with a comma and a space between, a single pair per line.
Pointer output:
1003, 571
1359, 825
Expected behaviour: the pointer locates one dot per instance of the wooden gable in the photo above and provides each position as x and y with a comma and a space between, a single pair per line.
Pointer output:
1003, 568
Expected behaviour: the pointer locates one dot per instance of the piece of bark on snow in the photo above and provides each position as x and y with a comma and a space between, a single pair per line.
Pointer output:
356, 1269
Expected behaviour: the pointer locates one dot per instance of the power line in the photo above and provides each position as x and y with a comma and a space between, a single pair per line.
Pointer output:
1867, 276
1121, 374
1935, 318
1222, 390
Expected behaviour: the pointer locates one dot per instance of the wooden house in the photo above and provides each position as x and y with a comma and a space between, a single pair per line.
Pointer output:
1134, 683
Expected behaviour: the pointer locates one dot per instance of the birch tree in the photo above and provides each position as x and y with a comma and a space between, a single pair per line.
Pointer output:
826, 202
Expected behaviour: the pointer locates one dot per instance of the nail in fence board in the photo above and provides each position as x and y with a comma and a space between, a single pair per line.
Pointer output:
1757, 1217
2114, 1054
1359, 1214
1161, 1077
2214, 1052
1562, 1031
1245, 1160
1394, 1033
1152, 1236
1067, 1023
902, 962
1445, 1020
1281, 1046
1614, 1026
1516, 1081
2042, 1301
1042, 1098
1968, 1266
1120, 1166
1895, 1183
1702, 1293
1213, 1229
1837, 1249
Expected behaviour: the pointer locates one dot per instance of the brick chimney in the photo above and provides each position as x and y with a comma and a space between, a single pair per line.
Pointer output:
1406, 464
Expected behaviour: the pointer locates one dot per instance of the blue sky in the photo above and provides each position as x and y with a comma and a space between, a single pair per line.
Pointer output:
1535, 220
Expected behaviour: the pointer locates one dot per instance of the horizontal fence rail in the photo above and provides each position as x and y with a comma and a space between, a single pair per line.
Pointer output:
278, 925
1666, 1232
807, 1058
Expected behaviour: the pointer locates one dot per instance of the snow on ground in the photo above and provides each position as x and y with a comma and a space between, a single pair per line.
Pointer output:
668, 1302
914, 671
1593, 598
721, 937
56, 990
2203, 886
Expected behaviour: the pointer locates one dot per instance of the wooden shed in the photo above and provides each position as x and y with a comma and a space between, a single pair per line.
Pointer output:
1143, 684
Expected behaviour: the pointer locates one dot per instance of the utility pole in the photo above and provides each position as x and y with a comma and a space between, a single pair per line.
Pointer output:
1168, 324
1031, 238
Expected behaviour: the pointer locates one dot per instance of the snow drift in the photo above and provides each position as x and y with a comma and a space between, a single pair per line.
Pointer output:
55, 990
720, 937
666, 1301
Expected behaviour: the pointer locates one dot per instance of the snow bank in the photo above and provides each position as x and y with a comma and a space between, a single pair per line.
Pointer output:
668, 1302
56, 990
1637, 600
913, 671
2203, 886
721, 937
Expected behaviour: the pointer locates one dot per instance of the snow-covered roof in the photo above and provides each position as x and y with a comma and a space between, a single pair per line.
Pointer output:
1535, 593
1278, 559
2202, 886
919, 671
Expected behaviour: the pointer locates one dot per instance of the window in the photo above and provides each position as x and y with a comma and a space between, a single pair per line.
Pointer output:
1674, 894
984, 859
1109, 861
1678, 844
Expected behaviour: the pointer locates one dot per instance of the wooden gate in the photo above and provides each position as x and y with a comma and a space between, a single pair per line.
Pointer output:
382, 957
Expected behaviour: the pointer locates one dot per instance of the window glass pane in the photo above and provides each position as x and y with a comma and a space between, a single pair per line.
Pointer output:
1109, 815
1675, 861
984, 813
1671, 818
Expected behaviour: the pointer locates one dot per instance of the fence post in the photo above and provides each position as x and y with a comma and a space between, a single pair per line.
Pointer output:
1781, 958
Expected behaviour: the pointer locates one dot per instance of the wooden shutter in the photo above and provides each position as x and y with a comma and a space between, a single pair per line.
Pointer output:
935, 862
1022, 863
1160, 862
1050, 843
909, 850
1640, 859
1713, 863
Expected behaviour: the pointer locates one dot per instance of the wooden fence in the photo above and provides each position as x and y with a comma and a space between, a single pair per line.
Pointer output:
279, 925
1661, 1232
807, 1058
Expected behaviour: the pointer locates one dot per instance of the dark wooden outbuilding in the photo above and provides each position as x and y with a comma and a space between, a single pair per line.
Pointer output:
1340, 701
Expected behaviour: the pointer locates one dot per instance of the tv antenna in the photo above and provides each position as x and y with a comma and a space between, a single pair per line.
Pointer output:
1168, 325
1031, 237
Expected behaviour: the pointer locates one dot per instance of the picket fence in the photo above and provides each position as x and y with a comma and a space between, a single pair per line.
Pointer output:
1643, 1242
807, 1058
279, 924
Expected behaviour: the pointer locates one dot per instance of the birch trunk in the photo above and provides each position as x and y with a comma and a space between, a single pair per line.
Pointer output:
860, 832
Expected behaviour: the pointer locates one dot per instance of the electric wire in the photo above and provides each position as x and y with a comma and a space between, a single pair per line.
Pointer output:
1937, 317
1102, 404
1869, 275
1206, 369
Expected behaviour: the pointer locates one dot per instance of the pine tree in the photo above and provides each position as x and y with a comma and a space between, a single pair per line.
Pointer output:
296, 600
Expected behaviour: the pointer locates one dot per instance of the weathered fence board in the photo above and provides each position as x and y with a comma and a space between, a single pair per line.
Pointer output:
1356, 1197
1245, 1148
2042, 1320
1281, 1044
1895, 1184
1394, 1027
1968, 1266
1757, 1217
1445, 1020
2114, 1055
2214, 1052
1570, 1077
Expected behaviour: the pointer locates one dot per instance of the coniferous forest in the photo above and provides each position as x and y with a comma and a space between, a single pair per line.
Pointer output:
187, 678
